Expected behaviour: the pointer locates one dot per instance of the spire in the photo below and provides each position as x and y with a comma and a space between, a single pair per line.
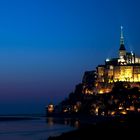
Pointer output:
122, 38
122, 47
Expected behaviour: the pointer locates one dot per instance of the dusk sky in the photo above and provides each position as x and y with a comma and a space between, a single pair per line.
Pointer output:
47, 45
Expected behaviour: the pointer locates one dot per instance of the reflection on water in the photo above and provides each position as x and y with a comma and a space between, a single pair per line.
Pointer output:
66, 121
77, 124
39, 129
50, 121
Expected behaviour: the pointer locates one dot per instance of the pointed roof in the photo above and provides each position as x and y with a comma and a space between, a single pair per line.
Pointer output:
122, 47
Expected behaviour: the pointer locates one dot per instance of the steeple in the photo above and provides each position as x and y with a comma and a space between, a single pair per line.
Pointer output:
122, 47
122, 50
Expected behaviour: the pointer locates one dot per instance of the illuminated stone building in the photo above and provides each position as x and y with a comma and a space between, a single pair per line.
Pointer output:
89, 80
125, 68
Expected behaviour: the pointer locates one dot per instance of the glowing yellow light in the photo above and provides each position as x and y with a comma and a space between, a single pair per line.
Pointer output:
120, 107
50, 108
65, 110
113, 113
87, 91
123, 112
96, 110
101, 91
132, 108
75, 108
127, 108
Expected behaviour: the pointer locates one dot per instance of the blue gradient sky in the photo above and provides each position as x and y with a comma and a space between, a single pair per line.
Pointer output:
47, 45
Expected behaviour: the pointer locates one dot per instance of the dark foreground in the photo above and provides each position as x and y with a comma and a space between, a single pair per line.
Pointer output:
117, 128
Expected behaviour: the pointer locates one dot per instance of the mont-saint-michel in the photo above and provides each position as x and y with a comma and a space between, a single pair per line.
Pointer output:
112, 89
108, 98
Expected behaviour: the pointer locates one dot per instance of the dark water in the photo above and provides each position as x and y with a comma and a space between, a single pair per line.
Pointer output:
37, 129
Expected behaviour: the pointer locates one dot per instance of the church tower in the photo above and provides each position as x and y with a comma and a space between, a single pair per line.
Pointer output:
122, 50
